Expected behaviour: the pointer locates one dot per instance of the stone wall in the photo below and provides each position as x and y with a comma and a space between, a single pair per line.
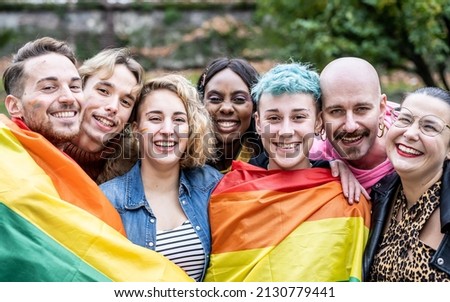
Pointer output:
167, 38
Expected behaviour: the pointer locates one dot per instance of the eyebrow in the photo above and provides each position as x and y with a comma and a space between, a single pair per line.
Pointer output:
294, 110
160, 112
357, 104
233, 92
106, 83
109, 84
56, 79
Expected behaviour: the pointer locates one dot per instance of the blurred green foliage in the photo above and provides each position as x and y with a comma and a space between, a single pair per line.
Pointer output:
411, 35
171, 15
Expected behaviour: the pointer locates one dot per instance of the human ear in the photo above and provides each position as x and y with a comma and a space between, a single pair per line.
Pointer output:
134, 127
14, 106
257, 122
383, 103
319, 123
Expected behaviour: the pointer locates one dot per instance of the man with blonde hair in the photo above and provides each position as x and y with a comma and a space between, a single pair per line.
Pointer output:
104, 147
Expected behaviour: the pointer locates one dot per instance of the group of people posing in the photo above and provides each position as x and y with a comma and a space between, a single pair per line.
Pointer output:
290, 175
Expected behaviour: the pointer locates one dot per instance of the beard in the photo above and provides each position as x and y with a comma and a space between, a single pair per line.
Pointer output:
352, 153
57, 137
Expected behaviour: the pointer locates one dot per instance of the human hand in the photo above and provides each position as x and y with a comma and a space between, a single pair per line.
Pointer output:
351, 187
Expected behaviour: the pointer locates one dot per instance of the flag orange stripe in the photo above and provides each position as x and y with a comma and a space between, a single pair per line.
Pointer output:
316, 251
66, 175
272, 220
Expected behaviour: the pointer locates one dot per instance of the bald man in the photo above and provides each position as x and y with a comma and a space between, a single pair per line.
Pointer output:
356, 116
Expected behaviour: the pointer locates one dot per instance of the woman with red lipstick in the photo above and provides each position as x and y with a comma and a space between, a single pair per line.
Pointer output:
224, 87
410, 235
163, 200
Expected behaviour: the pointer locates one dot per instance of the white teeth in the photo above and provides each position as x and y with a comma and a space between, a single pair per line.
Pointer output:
409, 150
351, 139
286, 146
104, 121
64, 114
227, 124
165, 144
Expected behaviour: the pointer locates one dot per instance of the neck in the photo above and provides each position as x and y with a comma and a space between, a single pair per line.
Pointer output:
160, 179
87, 144
228, 152
305, 164
413, 188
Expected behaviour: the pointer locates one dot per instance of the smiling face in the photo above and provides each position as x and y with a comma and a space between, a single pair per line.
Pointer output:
162, 122
353, 108
51, 99
412, 153
351, 120
228, 101
108, 106
287, 124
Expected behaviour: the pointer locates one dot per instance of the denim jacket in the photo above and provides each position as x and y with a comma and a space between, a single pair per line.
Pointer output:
126, 193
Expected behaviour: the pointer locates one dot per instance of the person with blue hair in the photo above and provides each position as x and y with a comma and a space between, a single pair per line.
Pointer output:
286, 82
300, 205
291, 79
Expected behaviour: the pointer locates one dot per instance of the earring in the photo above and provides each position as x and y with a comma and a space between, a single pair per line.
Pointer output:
322, 135
381, 127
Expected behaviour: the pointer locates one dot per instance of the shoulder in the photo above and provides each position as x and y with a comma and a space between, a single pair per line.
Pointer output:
262, 160
120, 182
385, 185
205, 176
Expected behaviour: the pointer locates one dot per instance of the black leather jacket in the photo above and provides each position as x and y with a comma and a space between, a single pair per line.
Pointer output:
382, 195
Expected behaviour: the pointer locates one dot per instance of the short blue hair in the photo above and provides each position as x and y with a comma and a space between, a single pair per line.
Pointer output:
291, 78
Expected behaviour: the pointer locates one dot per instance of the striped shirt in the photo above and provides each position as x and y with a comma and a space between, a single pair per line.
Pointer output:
183, 247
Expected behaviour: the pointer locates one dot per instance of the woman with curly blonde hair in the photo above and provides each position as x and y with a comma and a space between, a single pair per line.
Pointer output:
163, 200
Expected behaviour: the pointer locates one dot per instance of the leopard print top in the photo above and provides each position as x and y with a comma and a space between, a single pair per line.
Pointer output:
401, 255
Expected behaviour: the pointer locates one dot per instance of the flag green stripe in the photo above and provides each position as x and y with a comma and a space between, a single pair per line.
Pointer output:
31, 245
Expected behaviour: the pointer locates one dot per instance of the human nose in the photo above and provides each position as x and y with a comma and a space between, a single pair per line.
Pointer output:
113, 105
167, 127
226, 107
67, 96
286, 129
350, 124
412, 131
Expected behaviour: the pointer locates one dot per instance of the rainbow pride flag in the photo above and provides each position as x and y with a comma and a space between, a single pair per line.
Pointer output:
56, 224
285, 226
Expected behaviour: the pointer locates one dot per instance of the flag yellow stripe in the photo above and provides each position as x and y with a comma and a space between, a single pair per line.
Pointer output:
27, 190
321, 250
67, 178
278, 212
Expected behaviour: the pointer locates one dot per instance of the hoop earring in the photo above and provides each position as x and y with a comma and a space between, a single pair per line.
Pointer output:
381, 127
322, 135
